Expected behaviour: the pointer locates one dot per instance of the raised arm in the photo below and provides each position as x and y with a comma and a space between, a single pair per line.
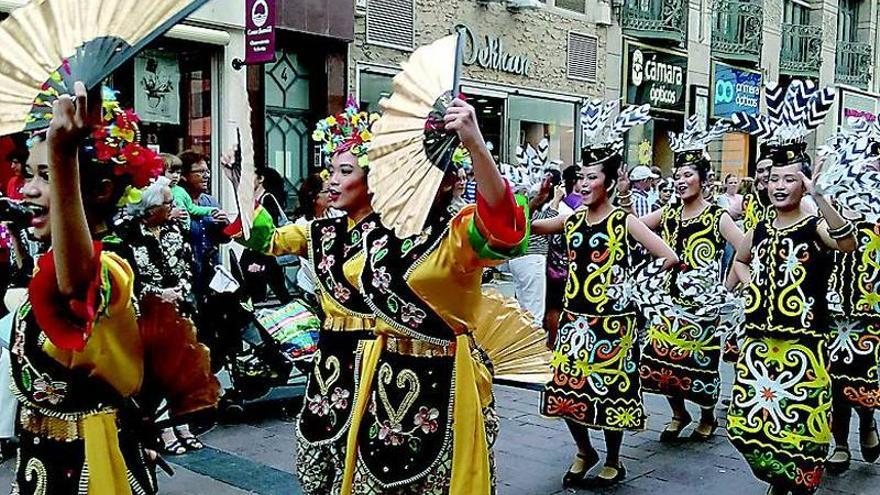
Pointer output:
836, 232
462, 118
72, 248
651, 241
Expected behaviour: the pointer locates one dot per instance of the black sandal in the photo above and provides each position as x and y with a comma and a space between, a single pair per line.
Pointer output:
191, 443
836, 466
870, 453
699, 436
573, 479
173, 448
599, 481
673, 430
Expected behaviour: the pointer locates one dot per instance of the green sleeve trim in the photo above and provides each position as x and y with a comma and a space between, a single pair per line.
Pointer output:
183, 199
481, 245
262, 231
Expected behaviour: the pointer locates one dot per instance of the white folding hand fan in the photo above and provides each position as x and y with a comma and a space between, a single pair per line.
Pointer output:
411, 150
47, 45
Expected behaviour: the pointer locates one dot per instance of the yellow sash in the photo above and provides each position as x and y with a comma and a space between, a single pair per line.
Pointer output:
108, 474
470, 450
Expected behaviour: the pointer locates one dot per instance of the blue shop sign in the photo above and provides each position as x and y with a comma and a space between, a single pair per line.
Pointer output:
735, 90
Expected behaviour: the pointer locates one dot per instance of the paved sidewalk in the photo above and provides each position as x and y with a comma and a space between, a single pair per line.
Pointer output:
533, 452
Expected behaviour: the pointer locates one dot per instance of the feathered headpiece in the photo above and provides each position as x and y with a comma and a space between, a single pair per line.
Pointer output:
116, 142
602, 133
690, 146
792, 114
850, 175
347, 131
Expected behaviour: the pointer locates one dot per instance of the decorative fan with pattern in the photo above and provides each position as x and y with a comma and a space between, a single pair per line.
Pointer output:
411, 150
516, 346
47, 45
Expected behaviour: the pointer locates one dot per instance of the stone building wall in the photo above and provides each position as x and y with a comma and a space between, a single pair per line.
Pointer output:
539, 35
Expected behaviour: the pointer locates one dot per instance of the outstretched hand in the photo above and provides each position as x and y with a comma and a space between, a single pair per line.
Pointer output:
231, 164
623, 184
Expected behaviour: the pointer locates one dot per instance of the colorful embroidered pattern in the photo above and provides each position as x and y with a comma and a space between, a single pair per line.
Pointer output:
790, 269
779, 416
682, 353
595, 373
332, 245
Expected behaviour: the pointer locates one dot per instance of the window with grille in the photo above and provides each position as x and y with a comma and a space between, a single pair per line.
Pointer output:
391, 23
582, 52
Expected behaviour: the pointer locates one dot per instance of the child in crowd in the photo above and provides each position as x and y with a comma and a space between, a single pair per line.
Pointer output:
184, 205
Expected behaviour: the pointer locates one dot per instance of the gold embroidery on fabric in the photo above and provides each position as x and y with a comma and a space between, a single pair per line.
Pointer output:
35, 472
406, 377
332, 365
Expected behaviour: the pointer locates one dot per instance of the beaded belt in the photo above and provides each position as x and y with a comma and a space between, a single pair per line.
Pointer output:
418, 348
348, 324
65, 430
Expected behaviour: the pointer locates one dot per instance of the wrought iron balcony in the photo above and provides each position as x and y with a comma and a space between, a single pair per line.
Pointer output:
656, 19
738, 30
853, 64
801, 50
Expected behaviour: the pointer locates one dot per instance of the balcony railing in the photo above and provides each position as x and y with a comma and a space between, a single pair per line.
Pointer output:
738, 30
801, 50
853, 65
656, 19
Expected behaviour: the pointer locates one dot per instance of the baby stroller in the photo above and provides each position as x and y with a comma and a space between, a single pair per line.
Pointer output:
265, 350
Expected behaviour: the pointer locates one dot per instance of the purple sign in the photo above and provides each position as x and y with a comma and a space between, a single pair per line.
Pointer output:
259, 31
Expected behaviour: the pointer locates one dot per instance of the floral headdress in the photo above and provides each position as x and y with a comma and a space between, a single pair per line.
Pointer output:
347, 131
116, 143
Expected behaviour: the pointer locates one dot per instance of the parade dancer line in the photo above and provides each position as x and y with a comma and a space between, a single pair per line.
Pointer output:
681, 355
779, 416
595, 381
335, 249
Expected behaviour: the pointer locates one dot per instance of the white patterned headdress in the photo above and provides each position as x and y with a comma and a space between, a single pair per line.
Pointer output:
603, 126
792, 114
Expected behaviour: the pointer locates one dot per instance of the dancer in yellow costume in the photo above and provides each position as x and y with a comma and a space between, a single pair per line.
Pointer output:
78, 354
335, 249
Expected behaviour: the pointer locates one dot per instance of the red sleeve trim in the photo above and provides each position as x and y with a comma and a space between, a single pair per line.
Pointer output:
66, 322
505, 223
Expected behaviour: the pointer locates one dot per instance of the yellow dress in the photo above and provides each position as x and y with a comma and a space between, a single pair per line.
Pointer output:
334, 247
424, 420
71, 437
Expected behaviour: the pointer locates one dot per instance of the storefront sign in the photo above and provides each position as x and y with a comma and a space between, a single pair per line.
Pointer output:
259, 31
655, 76
157, 87
856, 107
735, 90
489, 53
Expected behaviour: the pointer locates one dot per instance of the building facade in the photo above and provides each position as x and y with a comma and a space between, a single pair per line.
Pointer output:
726, 50
528, 65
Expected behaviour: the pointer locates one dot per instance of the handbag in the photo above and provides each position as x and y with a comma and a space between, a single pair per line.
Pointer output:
294, 327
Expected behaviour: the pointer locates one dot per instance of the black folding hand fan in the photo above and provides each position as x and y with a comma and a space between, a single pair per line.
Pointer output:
47, 45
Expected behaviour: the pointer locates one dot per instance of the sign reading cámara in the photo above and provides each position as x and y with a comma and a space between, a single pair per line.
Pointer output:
655, 76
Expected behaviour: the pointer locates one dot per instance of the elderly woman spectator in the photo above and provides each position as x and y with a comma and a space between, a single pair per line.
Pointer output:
163, 263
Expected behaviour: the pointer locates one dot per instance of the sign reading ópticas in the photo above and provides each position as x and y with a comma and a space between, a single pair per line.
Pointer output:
735, 90
655, 76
